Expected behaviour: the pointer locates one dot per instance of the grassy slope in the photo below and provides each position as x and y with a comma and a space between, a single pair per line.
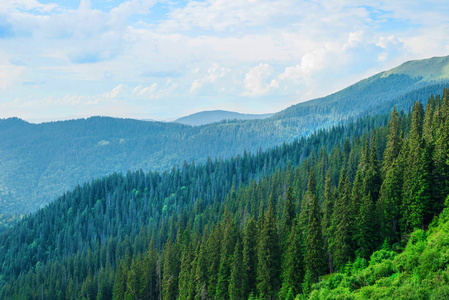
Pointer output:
421, 271
435, 68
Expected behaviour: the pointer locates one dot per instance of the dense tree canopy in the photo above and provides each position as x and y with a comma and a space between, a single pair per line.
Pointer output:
261, 225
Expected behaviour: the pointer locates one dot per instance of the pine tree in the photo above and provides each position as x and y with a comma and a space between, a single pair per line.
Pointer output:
236, 277
293, 267
393, 141
268, 256
249, 259
227, 249
366, 228
341, 228
371, 176
184, 284
390, 201
441, 154
171, 272
201, 271
307, 202
133, 286
314, 255
213, 258
149, 288
415, 202
328, 207
288, 213
120, 283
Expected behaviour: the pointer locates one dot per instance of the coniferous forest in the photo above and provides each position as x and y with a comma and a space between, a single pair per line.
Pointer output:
355, 211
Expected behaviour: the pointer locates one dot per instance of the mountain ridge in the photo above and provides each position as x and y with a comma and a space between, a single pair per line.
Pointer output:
214, 116
40, 161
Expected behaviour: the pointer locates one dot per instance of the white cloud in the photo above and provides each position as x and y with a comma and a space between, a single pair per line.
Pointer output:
240, 50
148, 91
311, 62
214, 73
9, 73
257, 81
16, 5
115, 92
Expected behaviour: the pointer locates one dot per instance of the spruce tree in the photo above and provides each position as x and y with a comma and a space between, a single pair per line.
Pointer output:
268, 256
120, 283
327, 208
415, 201
390, 201
366, 228
341, 224
393, 141
249, 259
236, 277
293, 266
441, 154
227, 249
314, 255
185, 291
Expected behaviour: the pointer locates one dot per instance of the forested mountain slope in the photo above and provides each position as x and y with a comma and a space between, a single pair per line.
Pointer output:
40, 161
213, 116
258, 226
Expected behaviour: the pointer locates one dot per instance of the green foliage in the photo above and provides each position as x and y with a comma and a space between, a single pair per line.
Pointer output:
234, 228
419, 272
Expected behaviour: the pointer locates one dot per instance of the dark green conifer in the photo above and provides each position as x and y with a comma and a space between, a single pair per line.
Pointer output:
314, 255
341, 225
268, 256
236, 277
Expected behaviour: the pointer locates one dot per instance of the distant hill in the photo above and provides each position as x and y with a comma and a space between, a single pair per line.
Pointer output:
40, 161
213, 116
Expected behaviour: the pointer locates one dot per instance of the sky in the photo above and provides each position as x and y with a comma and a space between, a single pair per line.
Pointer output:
161, 60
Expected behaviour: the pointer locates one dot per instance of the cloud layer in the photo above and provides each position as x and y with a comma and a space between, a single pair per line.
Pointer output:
162, 59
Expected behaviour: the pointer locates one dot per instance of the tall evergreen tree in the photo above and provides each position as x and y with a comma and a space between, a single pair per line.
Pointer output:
393, 141
236, 277
366, 228
227, 249
314, 255
249, 259
415, 202
341, 224
293, 267
268, 255
327, 208
120, 283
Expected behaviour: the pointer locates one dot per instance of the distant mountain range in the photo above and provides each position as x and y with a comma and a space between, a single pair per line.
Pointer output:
40, 161
213, 116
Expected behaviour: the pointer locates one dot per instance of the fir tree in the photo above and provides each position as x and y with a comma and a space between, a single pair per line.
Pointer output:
366, 228
236, 278
293, 267
327, 208
393, 141
341, 228
314, 256
268, 255
249, 259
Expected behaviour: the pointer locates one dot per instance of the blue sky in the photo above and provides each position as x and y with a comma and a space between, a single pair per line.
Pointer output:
165, 59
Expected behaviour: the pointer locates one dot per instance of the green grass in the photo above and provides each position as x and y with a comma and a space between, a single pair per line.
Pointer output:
435, 68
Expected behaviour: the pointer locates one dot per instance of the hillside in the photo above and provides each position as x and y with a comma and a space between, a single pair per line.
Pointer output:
418, 272
40, 161
213, 116
266, 225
